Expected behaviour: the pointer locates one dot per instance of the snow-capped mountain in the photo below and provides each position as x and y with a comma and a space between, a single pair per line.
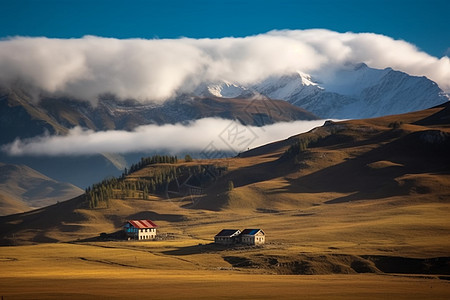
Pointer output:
222, 89
355, 92
297, 85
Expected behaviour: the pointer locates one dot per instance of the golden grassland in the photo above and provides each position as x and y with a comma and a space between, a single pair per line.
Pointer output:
368, 191
187, 267
124, 270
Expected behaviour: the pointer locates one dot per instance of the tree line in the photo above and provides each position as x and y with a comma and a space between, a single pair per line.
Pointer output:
98, 195
300, 145
155, 159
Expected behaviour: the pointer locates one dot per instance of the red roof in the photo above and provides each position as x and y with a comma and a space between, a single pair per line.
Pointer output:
142, 224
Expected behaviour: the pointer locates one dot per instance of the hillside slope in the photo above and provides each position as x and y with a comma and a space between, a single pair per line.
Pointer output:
22, 189
375, 186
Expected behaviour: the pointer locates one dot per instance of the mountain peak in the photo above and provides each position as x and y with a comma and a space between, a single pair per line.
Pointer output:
353, 92
360, 66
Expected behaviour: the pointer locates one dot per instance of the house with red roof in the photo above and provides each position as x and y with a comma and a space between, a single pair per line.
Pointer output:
140, 230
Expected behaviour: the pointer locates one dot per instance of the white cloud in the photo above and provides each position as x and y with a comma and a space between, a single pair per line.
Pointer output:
154, 70
204, 134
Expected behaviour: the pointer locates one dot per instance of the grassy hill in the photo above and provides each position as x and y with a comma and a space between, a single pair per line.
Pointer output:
22, 189
362, 187
368, 198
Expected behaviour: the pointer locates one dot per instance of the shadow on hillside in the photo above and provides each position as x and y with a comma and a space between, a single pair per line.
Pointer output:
441, 117
356, 178
215, 198
31, 226
256, 173
197, 249
406, 265
154, 216
119, 221
113, 236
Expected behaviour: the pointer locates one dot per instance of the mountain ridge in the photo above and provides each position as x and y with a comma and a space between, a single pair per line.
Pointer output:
391, 165
355, 92
55, 116
23, 189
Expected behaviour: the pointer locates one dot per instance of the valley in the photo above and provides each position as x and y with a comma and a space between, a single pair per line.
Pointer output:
224, 150
23, 189
351, 209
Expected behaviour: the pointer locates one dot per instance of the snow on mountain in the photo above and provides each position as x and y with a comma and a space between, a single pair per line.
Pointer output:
353, 80
297, 85
222, 89
356, 91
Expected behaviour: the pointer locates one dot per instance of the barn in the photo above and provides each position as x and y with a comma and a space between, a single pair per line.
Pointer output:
252, 237
227, 236
140, 230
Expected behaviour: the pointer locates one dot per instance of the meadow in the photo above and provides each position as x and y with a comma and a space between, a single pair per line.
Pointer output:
361, 213
141, 269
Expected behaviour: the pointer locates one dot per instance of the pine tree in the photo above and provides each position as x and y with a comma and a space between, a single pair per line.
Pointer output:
230, 185
145, 193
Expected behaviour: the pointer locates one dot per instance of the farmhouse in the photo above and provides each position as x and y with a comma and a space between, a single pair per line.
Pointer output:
227, 236
252, 237
140, 230
235, 236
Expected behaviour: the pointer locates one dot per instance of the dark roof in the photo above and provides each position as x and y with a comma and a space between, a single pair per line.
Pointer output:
251, 231
228, 232
142, 224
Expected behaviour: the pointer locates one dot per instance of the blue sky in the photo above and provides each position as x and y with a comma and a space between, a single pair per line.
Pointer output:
423, 23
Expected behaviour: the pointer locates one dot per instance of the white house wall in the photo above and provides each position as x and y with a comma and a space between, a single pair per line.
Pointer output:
140, 234
147, 234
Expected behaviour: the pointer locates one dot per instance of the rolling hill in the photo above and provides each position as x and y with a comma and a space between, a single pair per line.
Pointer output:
23, 189
374, 186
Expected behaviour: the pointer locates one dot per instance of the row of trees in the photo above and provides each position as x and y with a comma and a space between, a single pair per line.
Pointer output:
300, 145
155, 159
298, 148
99, 194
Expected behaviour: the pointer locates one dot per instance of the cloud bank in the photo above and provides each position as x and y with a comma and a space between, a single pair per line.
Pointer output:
155, 70
210, 135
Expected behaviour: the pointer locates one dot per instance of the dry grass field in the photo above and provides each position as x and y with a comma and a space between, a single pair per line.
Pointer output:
361, 213
141, 269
